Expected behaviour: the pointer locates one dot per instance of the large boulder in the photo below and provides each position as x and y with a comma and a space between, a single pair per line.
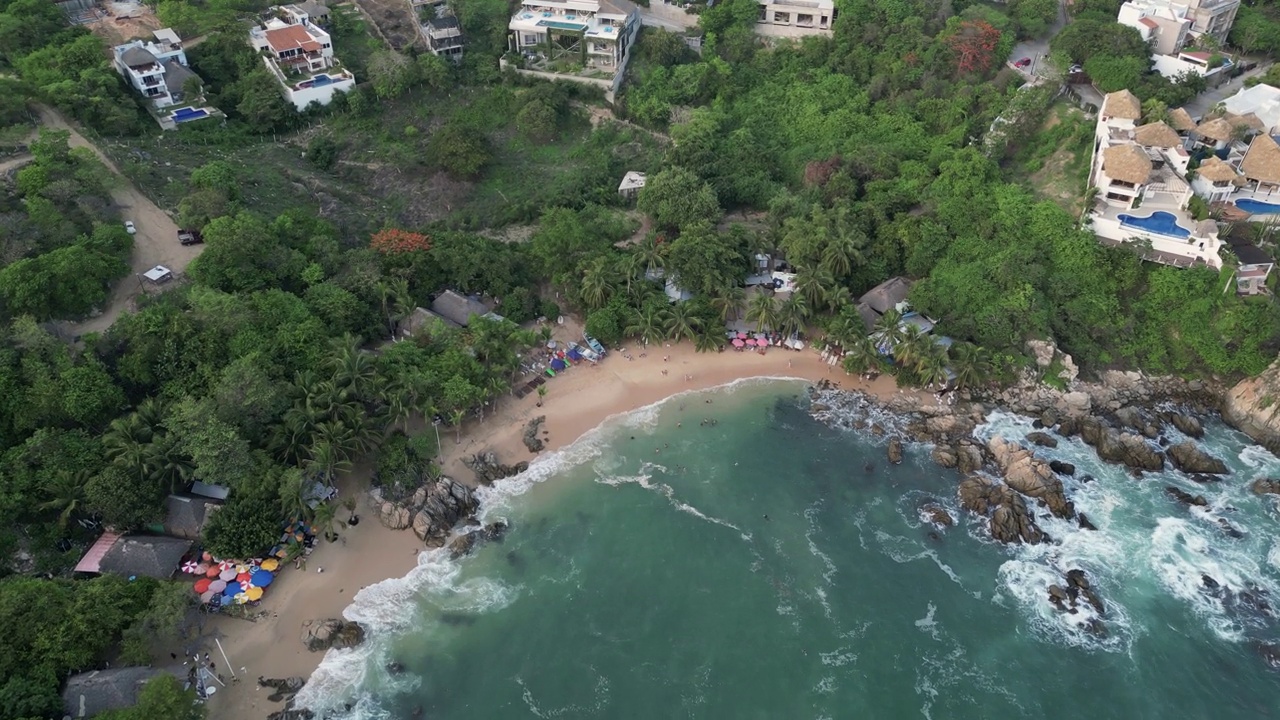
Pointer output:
1253, 407
318, 635
1010, 520
1075, 404
467, 542
284, 688
1263, 486
1186, 424
895, 450
1042, 439
488, 469
1185, 497
968, 458
1189, 458
944, 456
1115, 446
394, 515
1029, 475
949, 427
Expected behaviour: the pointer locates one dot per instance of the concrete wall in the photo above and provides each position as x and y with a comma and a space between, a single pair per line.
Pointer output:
1190, 248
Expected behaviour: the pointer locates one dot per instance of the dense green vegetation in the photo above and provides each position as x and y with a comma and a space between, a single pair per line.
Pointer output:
856, 158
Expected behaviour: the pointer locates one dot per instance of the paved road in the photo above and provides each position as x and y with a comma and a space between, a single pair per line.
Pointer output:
156, 242
1038, 49
670, 17
1206, 100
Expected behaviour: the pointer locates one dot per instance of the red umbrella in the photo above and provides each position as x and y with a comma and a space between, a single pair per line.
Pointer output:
202, 584
212, 571
243, 578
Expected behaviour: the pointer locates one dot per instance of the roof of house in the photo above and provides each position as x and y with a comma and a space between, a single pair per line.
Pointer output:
1149, 23
1181, 120
457, 308
97, 691
176, 75
420, 318
1216, 170
291, 37
1263, 100
1122, 104
443, 23
1127, 163
1205, 228
185, 516
156, 557
1218, 128
1198, 54
137, 57
887, 294
1249, 120
1248, 253
1157, 134
632, 181
1262, 161
617, 7
217, 492
869, 316
92, 560
313, 9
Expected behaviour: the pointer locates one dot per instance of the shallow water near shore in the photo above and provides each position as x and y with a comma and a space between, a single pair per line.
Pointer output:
769, 566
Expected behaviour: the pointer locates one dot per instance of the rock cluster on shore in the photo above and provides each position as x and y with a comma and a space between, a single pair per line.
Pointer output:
1253, 407
432, 511
488, 469
285, 689
531, 440
318, 635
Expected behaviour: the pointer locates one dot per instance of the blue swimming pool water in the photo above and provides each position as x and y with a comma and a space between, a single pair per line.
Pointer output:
561, 25
1162, 223
186, 114
1257, 207
321, 80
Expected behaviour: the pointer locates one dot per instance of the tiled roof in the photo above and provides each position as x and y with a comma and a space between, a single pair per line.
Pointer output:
293, 37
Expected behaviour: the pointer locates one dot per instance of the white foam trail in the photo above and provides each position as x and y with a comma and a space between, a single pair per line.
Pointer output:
670, 494
810, 514
928, 624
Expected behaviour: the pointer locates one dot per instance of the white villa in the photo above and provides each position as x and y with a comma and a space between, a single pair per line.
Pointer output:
596, 34
300, 54
795, 18
1142, 194
158, 71
1170, 27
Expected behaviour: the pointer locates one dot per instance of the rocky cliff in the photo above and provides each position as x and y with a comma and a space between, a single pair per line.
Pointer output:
1253, 407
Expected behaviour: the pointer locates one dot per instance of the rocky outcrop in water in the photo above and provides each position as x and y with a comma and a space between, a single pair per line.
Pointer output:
1253, 407
1189, 458
488, 469
318, 635
531, 439
1116, 446
1186, 424
464, 544
1029, 475
937, 515
432, 510
1078, 589
1042, 439
895, 450
1185, 497
283, 688
1010, 520
1270, 654
1264, 486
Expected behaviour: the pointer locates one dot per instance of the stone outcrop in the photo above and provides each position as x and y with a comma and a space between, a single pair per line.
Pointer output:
1045, 352
936, 514
284, 688
1010, 520
945, 456
319, 635
488, 469
1185, 497
531, 439
968, 458
432, 510
1062, 468
1186, 424
1253, 407
394, 515
1189, 458
1029, 475
1042, 439
895, 450
465, 543
1264, 486
1122, 447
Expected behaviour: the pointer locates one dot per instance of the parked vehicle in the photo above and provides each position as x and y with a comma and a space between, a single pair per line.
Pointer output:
129, 227
1023, 62
190, 237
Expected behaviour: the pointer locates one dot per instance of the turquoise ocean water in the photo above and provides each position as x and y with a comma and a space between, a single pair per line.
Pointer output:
641, 578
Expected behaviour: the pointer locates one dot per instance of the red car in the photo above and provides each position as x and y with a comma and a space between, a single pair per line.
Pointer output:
1024, 62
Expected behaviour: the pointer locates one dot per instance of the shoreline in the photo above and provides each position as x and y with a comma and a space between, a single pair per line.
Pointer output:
576, 402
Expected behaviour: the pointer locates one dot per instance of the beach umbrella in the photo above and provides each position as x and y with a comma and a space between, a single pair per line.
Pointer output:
254, 593
750, 342
243, 577
558, 364
738, 343
218, 585
206, 596
226, 565
202, 585
261, 578
229, 574
206, 557
189, 566
270, 564
211, 571
742, 336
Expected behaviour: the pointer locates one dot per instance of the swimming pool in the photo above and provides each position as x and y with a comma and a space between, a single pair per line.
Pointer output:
187, 114
1160, 223
1257, 207
562, 25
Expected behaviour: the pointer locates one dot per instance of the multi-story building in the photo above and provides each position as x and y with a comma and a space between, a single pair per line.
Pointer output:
1139, 173
300, 54
444, 37
1172, 26
157, 70
596, 34
795, 18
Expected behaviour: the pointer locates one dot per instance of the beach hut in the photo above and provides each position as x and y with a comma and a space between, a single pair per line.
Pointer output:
135, 555
95, 692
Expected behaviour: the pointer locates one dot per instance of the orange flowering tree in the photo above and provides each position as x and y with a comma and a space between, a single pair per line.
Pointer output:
394, 241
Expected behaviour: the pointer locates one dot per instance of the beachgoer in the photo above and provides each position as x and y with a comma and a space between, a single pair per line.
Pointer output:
319, 569
173, 655
679, 424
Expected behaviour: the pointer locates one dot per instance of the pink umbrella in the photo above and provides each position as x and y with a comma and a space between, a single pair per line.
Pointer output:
742, 336
226, 565
189, 566
749, 341
218, 585
738, 343
229, 574
206, 596
211, 571
206, 557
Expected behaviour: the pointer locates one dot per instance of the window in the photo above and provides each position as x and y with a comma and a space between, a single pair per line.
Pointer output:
530, 39
781, 17
804, 20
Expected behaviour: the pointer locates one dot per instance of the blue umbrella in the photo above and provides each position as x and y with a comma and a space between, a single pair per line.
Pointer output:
261, 578
233, 589
558, 364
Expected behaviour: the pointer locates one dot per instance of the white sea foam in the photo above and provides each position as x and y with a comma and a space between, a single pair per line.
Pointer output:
838, 658
811, 514
928, 624
645, 481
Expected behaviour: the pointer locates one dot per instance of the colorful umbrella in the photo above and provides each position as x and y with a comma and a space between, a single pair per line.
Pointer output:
750, 341
202, 584
241, 599
189, 566
206, 557
270, 564
254, 593
243, 578
233, 589
742, 336
242, 569
229, 574
218, 585
262, 578
212, 571
206, 596
226, 565
738, 343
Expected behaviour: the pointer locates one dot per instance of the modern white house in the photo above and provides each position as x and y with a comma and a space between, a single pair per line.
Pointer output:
1260, 100
795, 18
1139, 173
588, 33
300, 54
1173, 27
156, 69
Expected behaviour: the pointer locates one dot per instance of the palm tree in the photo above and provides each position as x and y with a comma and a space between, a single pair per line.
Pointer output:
814, 287
325, 517
455, 418
597, 283
889, 327
763, 311
912, 348
651, 253
393, 296
709, 341
862, 356
842, 253
65, 494
970, 365
932, 368
728, 301
127, 443
792, 314
631, 269
647, 325
353, 369
545, 332
681, 324
325, 460
542, 393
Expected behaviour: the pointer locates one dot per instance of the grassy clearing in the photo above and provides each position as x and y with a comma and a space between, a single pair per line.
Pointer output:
1056, 161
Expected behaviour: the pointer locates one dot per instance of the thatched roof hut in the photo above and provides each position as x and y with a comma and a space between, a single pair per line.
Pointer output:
1127, 163
1157, 134
1122, 104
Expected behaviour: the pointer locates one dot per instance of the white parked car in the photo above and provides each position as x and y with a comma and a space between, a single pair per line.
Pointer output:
129, 228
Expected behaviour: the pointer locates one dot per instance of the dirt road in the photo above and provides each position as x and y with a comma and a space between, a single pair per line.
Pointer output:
156, 242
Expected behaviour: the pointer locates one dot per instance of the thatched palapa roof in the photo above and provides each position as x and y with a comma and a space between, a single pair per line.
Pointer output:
1215, 170
1249, 120
1218, 129
1181, 120
156, 557
1126, 163
1157, 134
1262, 161
1122, 104
887, 294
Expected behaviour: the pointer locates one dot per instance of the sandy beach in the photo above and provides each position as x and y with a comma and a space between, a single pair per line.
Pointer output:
577, 401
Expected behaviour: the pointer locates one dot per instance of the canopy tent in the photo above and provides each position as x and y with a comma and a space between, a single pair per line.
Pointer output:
558, 364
